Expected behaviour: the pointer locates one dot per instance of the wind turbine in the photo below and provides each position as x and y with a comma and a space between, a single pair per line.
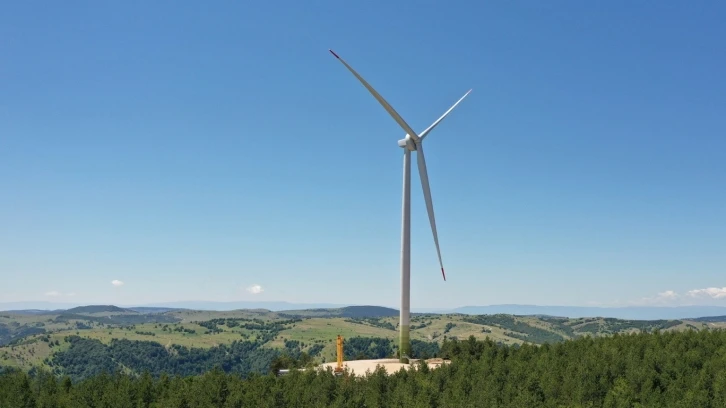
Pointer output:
411, 142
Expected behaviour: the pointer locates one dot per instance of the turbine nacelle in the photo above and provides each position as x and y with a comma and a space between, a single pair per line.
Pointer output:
407, 143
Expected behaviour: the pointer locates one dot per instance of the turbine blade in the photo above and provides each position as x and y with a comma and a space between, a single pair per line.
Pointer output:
423, 173
423, 134
380, 99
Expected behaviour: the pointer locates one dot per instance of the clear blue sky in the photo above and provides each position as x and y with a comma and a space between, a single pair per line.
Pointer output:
192, 150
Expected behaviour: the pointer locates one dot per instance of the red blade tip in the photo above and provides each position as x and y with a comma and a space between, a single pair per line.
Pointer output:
443, 273
334, 54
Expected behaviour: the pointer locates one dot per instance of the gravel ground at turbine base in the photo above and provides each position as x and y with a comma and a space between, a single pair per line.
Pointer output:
359, 367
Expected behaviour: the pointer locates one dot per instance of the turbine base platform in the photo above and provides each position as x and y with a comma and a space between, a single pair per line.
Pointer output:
390, 365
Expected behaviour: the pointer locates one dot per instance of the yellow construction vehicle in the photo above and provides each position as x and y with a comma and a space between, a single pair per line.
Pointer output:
339, 368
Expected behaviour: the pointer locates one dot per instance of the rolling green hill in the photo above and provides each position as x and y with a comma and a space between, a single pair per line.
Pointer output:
82, 341
98, 309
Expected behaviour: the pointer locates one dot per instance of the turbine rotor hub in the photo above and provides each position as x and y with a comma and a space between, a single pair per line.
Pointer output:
407, 143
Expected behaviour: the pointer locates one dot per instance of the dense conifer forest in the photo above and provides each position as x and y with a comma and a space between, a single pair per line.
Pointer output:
661, 369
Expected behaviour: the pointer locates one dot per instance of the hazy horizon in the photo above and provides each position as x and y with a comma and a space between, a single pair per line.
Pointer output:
61, 305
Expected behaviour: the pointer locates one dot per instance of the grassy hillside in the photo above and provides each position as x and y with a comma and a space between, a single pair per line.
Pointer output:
51, 341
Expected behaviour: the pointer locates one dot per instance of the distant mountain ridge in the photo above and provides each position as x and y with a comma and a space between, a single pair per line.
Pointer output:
98, 309
347, 311
711, 319
148, 310
629, 312
37, 312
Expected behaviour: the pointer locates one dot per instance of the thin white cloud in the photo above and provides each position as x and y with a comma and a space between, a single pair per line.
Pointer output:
255, 289
55, 293
670, 297
714, 293
665, 297
668, 294
117, 283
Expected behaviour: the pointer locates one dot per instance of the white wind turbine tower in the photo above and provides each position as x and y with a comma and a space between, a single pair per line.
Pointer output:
411, 142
